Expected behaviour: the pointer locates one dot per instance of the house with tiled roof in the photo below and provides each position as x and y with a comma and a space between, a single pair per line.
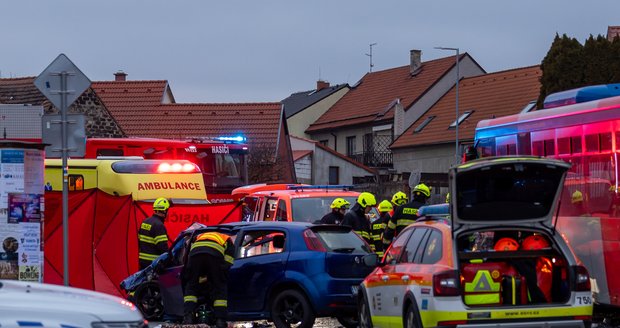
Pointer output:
366, 120
148, 109
99, 121
320, 165
428, 148
305, 107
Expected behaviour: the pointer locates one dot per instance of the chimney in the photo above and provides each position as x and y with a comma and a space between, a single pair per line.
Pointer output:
320, 85
416, 61
120, 76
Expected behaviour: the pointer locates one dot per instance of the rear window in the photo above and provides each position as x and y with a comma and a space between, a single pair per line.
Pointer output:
512, 191
342, 241
314, 208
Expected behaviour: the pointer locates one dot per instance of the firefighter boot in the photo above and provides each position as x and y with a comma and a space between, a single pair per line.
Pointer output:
188, 318
221, 323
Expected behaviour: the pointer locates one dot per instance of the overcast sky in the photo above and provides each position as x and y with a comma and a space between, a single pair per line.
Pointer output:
264, 50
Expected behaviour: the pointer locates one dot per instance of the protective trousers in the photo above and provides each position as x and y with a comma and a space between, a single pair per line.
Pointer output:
207, 276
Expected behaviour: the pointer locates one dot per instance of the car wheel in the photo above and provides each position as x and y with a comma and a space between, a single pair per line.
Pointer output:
149, 302
412, 318
349, 321
291, 309
364, 320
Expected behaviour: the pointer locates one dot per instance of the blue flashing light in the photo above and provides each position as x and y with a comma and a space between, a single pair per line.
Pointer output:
580, 95
342, 187
433, 210
233, 139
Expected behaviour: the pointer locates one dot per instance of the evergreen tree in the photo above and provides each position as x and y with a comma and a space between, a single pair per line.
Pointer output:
562, 67
614, 66
598, 57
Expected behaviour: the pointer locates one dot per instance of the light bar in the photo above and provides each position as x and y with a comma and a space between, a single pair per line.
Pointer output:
235, 138
579, 95
343, 187
176, 168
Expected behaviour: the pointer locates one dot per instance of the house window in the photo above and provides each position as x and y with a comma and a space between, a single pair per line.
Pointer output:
324, 142
423, 124
334, 177
461, 119
350, 146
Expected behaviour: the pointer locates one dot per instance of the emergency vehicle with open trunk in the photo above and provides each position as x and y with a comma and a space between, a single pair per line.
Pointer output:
499, 261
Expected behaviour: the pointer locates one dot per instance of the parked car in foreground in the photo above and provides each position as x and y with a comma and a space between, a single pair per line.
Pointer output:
286, 272
499, 260
45, 305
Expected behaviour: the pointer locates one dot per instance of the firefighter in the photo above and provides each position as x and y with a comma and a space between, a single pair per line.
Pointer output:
356, 218
406, 214
339, 206
206, 273
377, 227
152, 236
398, 199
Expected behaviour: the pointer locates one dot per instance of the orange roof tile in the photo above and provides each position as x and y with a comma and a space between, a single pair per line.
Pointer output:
371, 99
490, 95
260, 122
299, 154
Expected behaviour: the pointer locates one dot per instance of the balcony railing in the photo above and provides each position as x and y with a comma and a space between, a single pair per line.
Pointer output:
374, 159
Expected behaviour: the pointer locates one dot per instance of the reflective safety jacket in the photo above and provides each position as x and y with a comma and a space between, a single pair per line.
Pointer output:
403, 216
377, 228
214, 243
356, 219
152, 240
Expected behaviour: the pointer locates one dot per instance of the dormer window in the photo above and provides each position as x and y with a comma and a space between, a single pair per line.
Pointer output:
423, 124
461, 119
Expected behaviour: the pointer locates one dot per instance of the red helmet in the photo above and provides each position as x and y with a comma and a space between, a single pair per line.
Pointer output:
506, 244
534, 242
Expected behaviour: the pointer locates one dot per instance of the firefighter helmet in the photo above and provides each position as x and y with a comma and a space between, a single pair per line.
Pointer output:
366, 199
385, 206
506, 244
400, 198
576, 197
340, 203
534, 242
161, 204
422, 189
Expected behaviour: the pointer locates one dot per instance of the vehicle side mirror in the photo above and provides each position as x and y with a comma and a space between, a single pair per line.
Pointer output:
371, 260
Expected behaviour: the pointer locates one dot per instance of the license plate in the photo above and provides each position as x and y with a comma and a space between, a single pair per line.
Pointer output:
354, 289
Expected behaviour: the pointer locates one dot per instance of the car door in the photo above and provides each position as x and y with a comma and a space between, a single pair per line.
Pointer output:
380, 290
169, 281
259, 263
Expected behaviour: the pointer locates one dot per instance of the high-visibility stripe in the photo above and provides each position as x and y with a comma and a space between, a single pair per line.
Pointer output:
212, 236
190, 298
380, 254
391, 225
220, 303
404, 222
147, 256
229, 259
473, 299
161, 238
146, 239
211, 244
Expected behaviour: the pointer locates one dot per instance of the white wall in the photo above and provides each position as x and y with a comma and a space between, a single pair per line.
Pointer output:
298, 123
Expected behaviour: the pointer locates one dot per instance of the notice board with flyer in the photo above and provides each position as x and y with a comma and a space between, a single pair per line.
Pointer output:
21, 210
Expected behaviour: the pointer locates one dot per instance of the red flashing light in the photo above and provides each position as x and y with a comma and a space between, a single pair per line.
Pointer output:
176, 167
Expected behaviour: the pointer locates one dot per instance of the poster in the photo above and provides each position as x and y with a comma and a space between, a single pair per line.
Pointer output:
21, 214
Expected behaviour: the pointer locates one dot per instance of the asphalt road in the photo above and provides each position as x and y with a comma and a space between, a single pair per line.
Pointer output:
320, 323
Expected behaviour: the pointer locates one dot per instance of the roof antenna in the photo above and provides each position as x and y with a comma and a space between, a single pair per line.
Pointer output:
370, 55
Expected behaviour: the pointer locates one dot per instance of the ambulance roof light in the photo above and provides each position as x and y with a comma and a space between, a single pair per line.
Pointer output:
579, 95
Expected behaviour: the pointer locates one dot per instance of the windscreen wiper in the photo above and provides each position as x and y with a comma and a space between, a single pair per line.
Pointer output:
344, 250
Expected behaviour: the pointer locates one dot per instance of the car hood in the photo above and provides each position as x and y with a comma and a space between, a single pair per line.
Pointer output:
506, 191
47, 298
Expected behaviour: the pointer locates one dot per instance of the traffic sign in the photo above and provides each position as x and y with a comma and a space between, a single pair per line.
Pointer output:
49, 82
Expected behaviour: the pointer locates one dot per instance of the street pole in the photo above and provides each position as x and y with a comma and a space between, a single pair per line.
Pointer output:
65, 176
456, 128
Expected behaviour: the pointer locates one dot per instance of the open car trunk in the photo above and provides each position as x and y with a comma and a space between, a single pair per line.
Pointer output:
497, 267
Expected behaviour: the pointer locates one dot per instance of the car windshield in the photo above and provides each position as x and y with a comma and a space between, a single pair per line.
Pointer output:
314, 208
342, 241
